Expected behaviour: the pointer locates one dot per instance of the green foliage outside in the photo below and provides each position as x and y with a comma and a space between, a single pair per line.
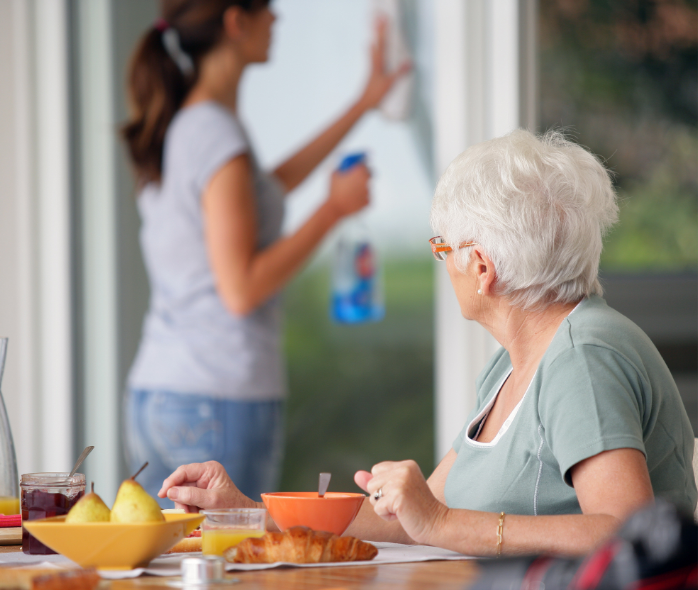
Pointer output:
621, 77
360, 394
659, 216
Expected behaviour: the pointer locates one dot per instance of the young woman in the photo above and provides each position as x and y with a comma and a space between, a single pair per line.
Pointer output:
208, 381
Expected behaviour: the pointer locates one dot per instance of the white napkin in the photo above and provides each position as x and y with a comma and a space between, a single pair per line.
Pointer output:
387, 553
169, 565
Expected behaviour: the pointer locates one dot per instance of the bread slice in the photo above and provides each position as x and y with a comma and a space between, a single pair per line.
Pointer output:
188, 545
48, 579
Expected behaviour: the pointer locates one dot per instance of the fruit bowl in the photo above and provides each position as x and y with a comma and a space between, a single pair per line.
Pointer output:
332, 513
112, 545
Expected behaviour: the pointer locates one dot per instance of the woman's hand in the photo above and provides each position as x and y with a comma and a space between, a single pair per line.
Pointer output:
380, 81
297, 168
349, 191
405, 496
203, 485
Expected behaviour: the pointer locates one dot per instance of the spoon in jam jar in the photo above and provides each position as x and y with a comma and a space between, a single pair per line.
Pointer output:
81, 458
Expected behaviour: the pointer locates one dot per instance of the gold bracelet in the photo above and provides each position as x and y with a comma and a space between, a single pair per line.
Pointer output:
500, 533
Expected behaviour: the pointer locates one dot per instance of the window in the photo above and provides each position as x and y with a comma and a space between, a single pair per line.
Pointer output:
359, 394
622, 79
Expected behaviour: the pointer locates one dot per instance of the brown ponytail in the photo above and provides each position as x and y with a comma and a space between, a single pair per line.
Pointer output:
157, 86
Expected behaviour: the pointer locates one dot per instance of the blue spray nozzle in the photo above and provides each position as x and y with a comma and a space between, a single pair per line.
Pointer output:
351, 160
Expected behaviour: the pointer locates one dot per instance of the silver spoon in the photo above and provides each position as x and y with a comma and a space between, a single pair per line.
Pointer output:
81, 458
323, 484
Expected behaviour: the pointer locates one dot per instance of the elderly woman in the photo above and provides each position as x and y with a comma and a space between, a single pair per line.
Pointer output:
578, 421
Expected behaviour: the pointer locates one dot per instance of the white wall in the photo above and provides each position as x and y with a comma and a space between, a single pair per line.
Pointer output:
54, 226
35, 251
95, 144
17, 301
73, 286
111, 282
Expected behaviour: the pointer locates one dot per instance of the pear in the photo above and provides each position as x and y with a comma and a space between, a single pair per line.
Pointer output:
134, 504
89, 508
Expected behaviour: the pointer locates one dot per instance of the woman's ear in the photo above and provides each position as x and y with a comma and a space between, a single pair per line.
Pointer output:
234, 24
485, 273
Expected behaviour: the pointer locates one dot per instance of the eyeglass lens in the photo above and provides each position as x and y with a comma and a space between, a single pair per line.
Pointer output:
439, 255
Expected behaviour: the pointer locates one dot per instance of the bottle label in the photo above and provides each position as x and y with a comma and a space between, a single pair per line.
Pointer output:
356, 297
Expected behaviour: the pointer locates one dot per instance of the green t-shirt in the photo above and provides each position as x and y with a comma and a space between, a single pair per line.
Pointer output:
601, 385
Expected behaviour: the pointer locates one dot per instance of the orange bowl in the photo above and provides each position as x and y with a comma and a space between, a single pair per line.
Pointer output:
332, 513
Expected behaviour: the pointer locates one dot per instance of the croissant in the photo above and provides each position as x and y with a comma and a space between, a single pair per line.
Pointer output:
300, 544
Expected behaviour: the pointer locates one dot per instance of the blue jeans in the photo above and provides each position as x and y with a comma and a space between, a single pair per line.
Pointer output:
172, 429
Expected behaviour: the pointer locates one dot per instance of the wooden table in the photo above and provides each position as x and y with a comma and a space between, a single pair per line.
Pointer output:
440, 575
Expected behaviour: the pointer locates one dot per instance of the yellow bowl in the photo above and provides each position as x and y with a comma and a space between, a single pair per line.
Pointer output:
112, 545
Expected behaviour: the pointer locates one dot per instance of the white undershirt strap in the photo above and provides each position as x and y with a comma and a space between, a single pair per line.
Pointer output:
482, 416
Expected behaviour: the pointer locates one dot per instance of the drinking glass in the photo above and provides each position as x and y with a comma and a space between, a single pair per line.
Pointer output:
223, 529
9, 490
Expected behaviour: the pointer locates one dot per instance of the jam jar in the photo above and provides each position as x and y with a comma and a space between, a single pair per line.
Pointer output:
44, 495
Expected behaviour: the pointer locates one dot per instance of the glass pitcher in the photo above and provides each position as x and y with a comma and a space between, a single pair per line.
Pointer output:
9, 485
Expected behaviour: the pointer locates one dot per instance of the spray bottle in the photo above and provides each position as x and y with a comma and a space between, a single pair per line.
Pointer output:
357, 294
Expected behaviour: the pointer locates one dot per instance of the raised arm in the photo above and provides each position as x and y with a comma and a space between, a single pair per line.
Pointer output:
245, 276
294, 170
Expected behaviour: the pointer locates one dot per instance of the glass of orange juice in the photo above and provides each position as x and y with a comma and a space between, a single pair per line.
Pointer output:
225, 528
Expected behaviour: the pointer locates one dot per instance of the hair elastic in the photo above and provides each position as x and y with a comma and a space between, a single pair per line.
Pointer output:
170, 39
161, 25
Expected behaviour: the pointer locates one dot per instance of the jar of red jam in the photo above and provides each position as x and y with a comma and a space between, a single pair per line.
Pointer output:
44, 495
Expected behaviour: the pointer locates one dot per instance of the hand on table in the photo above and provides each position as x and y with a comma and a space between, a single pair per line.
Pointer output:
203, 485
405, 496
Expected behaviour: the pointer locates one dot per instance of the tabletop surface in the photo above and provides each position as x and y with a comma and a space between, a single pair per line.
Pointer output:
440, 575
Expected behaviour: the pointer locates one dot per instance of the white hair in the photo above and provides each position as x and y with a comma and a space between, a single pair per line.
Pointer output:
538, 206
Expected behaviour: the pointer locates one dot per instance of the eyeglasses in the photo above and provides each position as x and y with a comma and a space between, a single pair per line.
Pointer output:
440, 249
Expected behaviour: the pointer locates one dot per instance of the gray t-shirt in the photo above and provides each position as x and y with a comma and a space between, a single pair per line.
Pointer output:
601, 385
191, 343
